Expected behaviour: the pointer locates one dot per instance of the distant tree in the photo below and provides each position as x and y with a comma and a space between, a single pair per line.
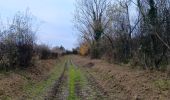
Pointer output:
62, 48
44, 51
75, 51
84, 49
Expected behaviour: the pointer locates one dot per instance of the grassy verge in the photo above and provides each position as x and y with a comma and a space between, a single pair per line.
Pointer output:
37, 90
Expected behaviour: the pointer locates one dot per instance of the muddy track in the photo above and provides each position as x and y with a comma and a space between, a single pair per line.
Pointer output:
90, 90
92, 86
102, 94
51, 95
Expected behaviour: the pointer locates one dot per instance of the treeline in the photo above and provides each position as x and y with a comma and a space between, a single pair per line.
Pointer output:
126, 31
18, 47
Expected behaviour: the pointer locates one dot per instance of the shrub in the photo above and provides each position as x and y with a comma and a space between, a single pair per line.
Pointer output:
44, 51
17, 42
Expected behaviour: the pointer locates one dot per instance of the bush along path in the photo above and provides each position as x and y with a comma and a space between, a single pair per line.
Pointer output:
75, 84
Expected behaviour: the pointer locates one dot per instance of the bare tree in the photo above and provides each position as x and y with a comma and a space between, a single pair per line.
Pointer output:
91, 20
109, 29
121, 29
155, 34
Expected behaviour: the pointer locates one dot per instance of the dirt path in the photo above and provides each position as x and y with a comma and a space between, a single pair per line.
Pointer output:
86, 79
86, 86
59, 86
75, 84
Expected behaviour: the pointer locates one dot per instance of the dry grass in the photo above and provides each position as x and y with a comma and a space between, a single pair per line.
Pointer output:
12, 83
126, 83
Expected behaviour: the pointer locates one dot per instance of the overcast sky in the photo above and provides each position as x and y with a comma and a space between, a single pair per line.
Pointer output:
55, 17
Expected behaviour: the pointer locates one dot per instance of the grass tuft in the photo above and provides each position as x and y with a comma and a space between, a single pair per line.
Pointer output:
163, 84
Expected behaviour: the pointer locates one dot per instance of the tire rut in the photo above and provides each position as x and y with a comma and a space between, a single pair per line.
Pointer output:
90, 91
56, 87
